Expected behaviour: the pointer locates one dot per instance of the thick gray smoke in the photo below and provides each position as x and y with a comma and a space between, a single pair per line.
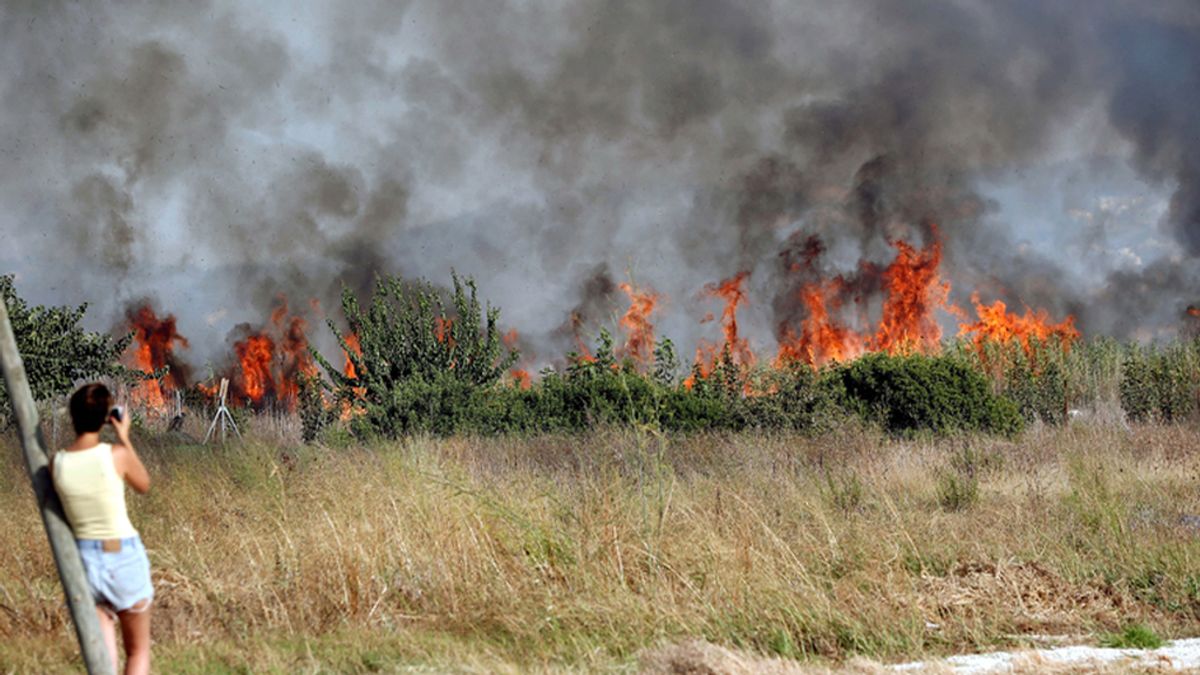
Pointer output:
214, 155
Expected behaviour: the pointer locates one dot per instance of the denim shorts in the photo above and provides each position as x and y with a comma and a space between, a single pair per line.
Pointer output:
118, 580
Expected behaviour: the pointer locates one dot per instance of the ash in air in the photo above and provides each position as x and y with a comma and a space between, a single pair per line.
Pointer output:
215, 156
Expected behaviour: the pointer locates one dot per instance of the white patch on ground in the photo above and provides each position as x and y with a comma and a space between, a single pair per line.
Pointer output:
698, 657
1177, 655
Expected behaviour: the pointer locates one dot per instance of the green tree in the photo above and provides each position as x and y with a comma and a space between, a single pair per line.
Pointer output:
56, 350
666, 363
417, 361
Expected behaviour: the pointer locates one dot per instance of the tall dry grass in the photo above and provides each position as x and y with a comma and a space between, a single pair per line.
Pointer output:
579, 553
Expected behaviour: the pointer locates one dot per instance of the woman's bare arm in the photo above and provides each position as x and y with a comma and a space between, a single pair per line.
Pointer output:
129, 465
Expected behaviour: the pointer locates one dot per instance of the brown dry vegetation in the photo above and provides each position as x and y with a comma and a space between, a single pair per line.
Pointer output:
550, 553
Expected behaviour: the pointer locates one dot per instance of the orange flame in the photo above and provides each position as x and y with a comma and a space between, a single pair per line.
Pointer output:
733, 293
914, 291
636, 322
996, 324
296, 360
442, 328
348, 408
521, 378
254, 355
583, 354
822, 339
352, 342
154, 342
1192, 310
273, 359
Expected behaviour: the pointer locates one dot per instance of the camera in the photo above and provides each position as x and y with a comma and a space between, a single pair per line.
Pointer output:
117, 413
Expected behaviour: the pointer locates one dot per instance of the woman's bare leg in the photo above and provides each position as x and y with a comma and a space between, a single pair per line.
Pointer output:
109, 631
135, 631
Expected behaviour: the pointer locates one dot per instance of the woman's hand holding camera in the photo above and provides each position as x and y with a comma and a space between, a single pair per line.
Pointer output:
120, 421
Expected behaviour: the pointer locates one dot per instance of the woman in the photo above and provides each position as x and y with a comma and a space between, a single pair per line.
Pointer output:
90, 478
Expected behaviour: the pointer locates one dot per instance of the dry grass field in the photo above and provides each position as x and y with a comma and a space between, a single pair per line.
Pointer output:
592, 553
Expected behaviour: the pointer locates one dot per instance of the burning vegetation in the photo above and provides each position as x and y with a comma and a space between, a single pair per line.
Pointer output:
912, 291
152, 351
266, 367
828, 323
271, 359
639, 345
997, 325
831, 326
520, 375
732, 293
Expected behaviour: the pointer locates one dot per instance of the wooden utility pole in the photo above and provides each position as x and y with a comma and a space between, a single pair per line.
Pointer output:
62, 540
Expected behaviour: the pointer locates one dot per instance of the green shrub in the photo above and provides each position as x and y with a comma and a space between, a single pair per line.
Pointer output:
909, 393
958, 487
56, 350
315, 415
1134, 636
589, 392
957, 490
1092, 372
419, 363
432, 362
1038, 387
1035, 378
1161, 383
971, 462
844, 490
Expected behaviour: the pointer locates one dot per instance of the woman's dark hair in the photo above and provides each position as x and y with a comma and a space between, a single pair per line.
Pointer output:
90, 405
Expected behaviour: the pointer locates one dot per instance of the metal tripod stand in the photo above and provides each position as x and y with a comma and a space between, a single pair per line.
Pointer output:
223, 417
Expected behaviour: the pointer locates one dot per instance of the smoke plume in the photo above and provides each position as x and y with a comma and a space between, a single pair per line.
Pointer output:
213, 155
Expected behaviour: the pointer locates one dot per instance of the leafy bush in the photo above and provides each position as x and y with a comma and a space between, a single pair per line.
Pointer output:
1039, 390
417, 364
957, 490
1150, 383
1092, 371
424, 361
315, 416
1134, 636
1161, 383
1034, 377
56, 350
602, 392
915, 392
405, 377
971, 462
598, 391
844, 490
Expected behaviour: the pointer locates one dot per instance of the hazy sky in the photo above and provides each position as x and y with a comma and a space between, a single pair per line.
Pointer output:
213, 155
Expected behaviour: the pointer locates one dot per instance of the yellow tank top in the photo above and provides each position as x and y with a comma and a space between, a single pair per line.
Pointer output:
92, 493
